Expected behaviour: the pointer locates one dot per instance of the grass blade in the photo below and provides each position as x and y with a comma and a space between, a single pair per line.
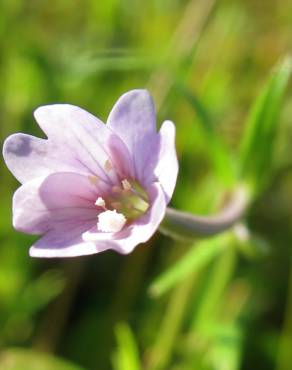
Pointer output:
127, 355
198, 256
218, 153
259, 136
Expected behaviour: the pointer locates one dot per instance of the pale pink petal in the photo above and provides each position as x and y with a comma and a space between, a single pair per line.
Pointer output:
49, 203
167, 167
133, 119
121, 158
84, 135
67, 243
29, 157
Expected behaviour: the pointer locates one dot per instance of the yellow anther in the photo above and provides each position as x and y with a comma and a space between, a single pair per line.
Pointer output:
108, 166
93, 179
126, 185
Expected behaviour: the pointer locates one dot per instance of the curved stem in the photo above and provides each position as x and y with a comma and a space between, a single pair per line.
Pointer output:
186, 226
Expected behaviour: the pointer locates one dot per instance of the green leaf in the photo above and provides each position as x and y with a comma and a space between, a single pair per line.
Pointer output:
259, 137
200, 254
227, 349
218, 153
25, 359
40, 292
127, 354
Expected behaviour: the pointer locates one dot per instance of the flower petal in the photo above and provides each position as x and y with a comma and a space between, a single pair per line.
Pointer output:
29, 157
139, 231
65, 244
133, 119
54, 203
80, 132
167, 166
121, 158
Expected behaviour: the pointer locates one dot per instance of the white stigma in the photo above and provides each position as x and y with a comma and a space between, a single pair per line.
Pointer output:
100, 202
111, 221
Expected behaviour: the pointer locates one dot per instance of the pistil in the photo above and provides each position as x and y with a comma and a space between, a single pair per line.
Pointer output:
127, 203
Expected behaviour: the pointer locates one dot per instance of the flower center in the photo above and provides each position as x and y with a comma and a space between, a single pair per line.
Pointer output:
127, 202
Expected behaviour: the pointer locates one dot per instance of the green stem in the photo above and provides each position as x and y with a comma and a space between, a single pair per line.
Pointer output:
209, 312
217, 282
170, 327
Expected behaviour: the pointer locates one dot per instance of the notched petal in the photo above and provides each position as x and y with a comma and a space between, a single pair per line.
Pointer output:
26, 156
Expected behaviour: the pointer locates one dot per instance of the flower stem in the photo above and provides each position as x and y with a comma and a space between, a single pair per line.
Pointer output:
186, 226
171, 325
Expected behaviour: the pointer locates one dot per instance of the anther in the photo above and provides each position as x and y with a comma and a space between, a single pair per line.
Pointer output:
126, 185
108, 166
100, 203
93, 179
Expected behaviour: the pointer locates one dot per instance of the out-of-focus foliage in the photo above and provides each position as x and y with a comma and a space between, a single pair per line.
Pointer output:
263, 121
127, 354
216, 69
21, 359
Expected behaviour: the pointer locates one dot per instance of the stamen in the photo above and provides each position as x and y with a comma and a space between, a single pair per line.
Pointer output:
111, 221
126, 185
116, 189
108, 166
93, 179
101, 203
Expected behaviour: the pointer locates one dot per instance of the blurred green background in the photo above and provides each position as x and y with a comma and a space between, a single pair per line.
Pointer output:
220, 304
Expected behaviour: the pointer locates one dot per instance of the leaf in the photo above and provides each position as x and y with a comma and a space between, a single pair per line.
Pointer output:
259, 137
127, 354
25, 359
217, 151
200, 254
41, 291
227, 350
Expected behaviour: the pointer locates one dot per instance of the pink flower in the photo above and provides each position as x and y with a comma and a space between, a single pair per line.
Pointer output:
90, 187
